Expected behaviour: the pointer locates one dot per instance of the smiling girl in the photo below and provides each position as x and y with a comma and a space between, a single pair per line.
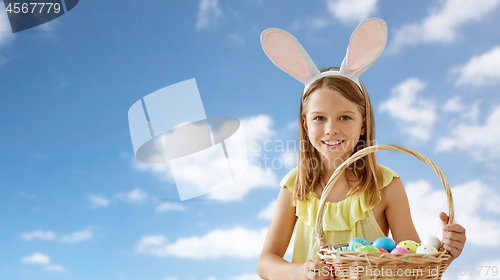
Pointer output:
336, 118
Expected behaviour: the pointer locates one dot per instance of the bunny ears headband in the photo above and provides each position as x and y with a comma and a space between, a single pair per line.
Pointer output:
365, 45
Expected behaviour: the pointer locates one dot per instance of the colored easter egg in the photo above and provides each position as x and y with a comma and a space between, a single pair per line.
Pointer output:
408, 244
385, 242
431, 240
382, 250
400, 250
367, 248
343, 249
426, 249
357, 242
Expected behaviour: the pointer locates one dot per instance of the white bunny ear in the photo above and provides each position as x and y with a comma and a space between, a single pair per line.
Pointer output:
287, 53
365, 46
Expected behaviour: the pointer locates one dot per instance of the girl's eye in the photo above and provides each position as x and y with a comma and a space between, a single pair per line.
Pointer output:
319, 118
345, 118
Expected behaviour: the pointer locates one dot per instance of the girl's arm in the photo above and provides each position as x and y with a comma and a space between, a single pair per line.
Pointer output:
397, 212
271, 264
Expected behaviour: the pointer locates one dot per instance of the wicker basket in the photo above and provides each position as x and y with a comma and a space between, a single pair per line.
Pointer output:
362, 265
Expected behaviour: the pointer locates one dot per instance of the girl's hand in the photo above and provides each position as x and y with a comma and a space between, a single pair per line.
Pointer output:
453, 237
323, 270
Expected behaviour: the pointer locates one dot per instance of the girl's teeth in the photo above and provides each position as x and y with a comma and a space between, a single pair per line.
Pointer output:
332, 143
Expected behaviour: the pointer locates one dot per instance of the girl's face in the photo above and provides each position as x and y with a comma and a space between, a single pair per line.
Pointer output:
333, 125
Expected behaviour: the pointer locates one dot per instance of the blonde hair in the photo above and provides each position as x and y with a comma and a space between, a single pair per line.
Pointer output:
365, 171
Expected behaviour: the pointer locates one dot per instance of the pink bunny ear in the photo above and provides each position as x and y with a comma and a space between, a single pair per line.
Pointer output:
285, 51
365, 46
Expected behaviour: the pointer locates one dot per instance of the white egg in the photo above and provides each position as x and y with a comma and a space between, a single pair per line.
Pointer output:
431, 240
426, 249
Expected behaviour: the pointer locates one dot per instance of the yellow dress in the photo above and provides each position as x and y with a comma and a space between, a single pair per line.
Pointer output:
342, 221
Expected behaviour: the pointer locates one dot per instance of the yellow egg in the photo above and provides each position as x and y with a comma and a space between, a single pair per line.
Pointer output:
409, 244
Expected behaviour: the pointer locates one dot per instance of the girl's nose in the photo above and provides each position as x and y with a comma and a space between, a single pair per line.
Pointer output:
330, 130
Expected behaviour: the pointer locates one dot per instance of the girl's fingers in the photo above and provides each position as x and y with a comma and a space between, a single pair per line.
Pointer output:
320, 269
452, 243
454, 236
454, 252
454, 228
444, 218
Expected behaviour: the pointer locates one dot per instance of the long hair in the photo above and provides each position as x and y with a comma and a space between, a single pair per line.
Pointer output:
364, 174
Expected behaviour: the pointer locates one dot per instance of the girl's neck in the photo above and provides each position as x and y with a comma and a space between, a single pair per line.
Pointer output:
326, 175
329, 168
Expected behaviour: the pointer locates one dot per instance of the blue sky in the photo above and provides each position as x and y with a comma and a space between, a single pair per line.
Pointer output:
76, 204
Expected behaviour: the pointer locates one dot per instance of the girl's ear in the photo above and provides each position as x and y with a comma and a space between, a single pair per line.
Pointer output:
304, 122
287, 53
363, 128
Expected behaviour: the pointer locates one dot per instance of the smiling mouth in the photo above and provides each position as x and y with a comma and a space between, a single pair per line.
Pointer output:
332, 143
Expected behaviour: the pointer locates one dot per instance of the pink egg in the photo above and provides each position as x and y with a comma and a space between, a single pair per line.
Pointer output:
400, 250
382, 250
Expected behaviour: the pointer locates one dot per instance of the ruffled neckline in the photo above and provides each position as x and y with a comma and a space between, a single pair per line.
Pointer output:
338, 216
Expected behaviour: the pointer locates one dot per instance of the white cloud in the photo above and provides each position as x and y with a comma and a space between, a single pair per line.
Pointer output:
37, 258
55, 267
454, 104
238, 243
152, 240
208, 13
253, 276
415, 115
483, 69
478, 140
255, 177
135, 196
98, 201
170, 278
351, 10
482, 271
167, 206
473, 202
426, 203
475, 198
256, 130
74, 237
472, 115
268, 212
39, 234
442, 23
290, 158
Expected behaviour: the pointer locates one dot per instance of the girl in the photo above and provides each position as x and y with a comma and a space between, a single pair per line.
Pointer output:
336, 117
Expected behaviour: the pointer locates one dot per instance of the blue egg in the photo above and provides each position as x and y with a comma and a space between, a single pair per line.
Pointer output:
357, 242
385, 242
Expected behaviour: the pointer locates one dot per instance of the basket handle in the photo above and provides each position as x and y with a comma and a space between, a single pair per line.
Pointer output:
320, 235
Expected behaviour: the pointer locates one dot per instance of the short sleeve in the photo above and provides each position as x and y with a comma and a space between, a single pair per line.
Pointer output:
289, 180
387, 175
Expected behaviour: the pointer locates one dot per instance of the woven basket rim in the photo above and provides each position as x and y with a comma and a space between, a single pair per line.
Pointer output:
320, 235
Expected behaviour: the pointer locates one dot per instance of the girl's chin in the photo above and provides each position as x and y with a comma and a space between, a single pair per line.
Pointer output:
335, 157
